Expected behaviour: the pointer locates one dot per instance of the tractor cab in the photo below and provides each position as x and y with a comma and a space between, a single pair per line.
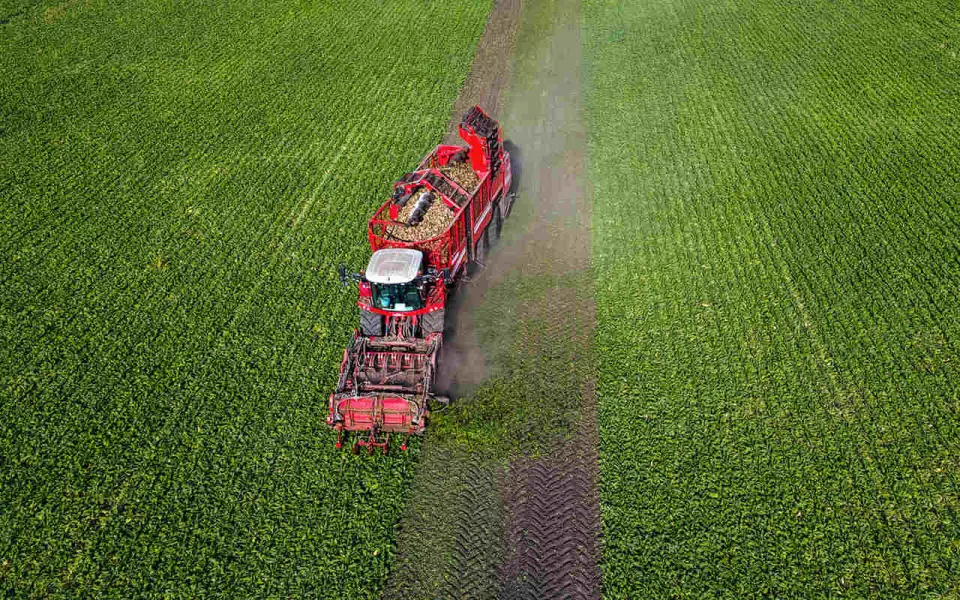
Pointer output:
397, 296
392, 274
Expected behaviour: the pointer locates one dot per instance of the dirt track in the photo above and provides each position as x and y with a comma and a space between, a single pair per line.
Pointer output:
490, 72
505, 503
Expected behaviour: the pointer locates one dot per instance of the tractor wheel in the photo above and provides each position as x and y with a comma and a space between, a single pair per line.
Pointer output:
515, 164
483, 247
432, 322
371, 324
506, 204
496, 222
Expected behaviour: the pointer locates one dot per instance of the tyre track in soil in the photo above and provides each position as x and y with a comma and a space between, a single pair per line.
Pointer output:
518, 516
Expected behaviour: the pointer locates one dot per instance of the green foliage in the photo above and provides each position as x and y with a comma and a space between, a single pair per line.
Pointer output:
178, 181
776, 248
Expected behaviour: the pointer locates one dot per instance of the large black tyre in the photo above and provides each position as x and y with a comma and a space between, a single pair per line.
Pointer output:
371, 324
496, 222
514, 165
506, 202
482, 250
432, 322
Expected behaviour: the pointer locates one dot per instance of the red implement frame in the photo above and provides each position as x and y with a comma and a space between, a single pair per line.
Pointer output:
384, 387
474, 211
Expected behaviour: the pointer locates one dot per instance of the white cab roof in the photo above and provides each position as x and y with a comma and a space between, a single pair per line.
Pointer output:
394, 265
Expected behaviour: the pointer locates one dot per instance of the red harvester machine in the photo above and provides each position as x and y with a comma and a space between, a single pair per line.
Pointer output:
389, 366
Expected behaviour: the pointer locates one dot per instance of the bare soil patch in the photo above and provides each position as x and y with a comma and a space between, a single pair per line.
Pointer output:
490, 71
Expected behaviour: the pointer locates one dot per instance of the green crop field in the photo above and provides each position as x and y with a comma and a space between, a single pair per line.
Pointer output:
774, 256
777, 199
177, 183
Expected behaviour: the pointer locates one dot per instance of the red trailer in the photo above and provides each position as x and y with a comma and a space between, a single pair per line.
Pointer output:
388, 369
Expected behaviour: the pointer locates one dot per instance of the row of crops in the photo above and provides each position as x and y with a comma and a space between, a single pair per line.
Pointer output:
776, 264
178, 181
776, 247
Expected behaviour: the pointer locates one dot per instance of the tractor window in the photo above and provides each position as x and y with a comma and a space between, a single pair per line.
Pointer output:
397, 296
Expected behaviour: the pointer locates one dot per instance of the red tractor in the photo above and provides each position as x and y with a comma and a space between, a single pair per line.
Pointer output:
438, 223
